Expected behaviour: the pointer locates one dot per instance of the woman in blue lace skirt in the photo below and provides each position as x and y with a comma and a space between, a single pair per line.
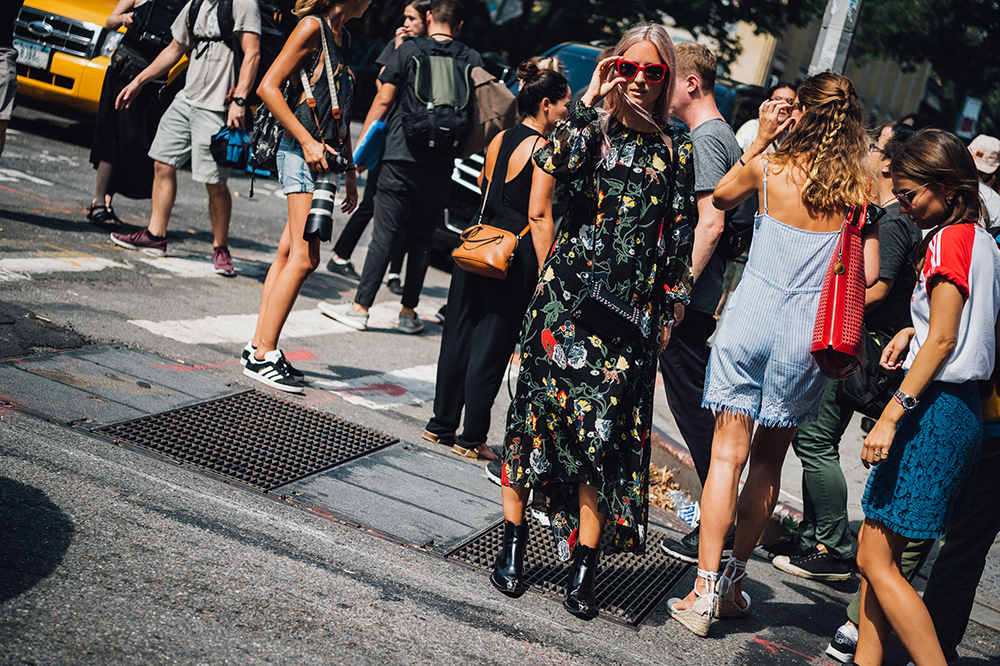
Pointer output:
926, 443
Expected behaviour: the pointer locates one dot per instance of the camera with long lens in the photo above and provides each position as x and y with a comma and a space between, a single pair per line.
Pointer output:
319, 224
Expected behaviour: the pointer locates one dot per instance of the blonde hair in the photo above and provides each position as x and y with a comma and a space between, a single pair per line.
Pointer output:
829, 143
306, 7
657, 35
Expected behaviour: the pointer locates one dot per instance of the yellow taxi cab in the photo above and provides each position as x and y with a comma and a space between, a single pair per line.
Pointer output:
64, 50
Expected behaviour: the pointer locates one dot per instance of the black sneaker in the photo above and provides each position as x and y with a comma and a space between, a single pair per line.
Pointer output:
815, 565
292, 370
395, 285
272, 372
342, 267
844, 644
789, 547
686, 550
494, 471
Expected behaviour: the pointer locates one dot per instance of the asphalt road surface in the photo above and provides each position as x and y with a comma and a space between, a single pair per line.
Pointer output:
109, 556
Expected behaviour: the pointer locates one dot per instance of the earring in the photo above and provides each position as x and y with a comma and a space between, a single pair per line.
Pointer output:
948, 200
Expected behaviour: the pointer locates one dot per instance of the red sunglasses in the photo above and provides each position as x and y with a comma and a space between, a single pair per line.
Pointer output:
654, 73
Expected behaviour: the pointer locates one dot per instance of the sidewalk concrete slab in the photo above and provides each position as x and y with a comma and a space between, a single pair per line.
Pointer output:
104, 384
420, 496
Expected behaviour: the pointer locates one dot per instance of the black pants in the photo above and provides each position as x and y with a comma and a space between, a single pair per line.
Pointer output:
484, 322
356, 225
411, 198
683, 364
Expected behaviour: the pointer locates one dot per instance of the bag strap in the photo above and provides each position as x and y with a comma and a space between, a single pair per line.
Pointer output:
330, 80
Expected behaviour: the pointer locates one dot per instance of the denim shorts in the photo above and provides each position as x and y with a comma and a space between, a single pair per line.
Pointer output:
293, 172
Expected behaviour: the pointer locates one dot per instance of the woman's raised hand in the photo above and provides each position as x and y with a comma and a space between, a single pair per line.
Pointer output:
770, 125
603, 81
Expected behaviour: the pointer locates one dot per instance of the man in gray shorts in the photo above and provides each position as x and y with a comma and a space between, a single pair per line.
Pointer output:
8, 66
196, 114
685, 358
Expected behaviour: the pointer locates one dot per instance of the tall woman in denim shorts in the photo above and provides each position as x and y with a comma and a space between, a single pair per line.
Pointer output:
300, 160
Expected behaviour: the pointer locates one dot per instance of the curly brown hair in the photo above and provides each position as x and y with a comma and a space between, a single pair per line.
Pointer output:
829, 143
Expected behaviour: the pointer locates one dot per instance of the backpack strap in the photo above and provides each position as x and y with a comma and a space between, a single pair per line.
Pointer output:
227, 27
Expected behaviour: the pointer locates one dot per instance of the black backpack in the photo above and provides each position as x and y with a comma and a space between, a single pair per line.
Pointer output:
276, 24
435, 102
150, 30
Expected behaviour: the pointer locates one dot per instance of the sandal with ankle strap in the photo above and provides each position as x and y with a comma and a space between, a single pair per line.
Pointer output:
727, 608
481, 452
698, 618
103, 216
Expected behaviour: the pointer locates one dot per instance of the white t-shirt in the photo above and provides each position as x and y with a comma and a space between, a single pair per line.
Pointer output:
211, 72
991, 201
967, 256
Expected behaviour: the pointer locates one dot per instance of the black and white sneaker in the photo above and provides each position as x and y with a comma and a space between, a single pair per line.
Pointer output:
247, 353
686, 550
815, 565
292, 370
494, 471
844, 644
272, 372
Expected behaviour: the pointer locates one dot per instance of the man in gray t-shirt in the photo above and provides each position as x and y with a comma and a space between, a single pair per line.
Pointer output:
196, 114
685, 358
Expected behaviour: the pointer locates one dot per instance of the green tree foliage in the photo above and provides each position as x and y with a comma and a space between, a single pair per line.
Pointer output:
960, 39
546, 23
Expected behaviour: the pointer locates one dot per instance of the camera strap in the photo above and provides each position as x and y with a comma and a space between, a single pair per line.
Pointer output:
331, 84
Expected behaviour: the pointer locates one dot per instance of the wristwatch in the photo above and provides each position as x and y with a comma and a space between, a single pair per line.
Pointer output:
908, 402
239, 101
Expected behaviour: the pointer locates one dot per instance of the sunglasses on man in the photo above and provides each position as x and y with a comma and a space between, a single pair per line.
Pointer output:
654, 72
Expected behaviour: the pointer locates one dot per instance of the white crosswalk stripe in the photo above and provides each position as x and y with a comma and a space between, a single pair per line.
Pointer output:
240, 328
409, 386
23, 268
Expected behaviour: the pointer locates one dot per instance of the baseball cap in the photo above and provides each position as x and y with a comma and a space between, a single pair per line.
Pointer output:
986, 153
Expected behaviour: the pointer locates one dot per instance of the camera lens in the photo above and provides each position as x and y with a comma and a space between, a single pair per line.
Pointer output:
319, 224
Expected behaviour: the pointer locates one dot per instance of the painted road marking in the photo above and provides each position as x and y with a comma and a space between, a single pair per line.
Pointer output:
24, 268
409, 386
15, 176
199, 268
240, 328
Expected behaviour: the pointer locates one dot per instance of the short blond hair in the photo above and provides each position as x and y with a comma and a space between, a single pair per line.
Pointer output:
696, 59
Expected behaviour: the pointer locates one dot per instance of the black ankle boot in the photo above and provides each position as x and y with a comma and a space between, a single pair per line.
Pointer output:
509, 567
582, 600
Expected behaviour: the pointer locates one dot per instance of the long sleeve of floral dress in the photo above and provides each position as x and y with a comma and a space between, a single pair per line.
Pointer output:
575, 154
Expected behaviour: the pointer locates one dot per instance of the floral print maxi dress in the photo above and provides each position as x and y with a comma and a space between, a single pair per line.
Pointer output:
584, 408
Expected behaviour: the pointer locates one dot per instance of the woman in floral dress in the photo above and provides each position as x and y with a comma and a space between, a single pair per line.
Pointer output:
578, 429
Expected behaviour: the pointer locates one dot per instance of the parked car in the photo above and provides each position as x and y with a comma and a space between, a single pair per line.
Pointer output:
738, 102
63, 51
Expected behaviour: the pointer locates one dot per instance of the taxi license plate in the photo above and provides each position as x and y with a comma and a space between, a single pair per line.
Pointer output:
35, 56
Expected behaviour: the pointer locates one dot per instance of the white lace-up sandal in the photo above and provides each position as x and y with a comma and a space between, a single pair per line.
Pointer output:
698, 618
727, 607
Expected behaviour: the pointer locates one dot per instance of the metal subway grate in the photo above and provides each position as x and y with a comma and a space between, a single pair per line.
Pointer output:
628, 586
250, 438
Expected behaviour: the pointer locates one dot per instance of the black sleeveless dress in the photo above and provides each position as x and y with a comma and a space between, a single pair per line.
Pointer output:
485, 314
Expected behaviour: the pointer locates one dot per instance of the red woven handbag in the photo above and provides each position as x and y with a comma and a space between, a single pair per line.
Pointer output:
837, 344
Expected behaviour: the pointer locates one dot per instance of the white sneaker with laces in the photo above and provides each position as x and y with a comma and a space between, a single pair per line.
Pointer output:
409, 324
272, 372
345, 314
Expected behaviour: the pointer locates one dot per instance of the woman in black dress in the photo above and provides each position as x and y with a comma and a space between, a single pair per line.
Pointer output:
578, 429
484, 313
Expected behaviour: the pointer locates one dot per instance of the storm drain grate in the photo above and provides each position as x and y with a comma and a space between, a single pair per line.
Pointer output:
250, 438
628, 587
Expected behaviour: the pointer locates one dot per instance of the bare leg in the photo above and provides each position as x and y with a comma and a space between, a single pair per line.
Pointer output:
164, 195
730, 450
220, 210
300, 259
888, 596
591, 520
104, 172
514, 501
760, 492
